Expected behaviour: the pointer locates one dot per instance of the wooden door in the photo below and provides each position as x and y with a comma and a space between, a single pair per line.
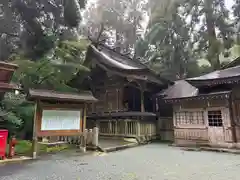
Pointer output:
215, 127
216, 135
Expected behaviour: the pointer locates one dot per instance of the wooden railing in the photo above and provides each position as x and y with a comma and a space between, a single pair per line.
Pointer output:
148, 129
90, 134
126, 128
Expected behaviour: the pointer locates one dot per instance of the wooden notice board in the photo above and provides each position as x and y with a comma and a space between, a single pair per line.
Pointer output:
59, 119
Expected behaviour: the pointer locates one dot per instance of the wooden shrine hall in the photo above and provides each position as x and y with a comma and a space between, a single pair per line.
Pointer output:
124, 88
206, 109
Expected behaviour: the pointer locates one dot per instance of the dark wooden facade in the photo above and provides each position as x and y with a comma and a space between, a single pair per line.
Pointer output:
121, 84
124, 89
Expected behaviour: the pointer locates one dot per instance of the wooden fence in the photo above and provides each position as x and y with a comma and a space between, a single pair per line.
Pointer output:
91, 138
126, 128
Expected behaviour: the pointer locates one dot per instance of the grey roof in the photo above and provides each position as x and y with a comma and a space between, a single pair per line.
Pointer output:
39, 94
183, 90
180, 89
233, 63
112, 60
115, 59
219, 74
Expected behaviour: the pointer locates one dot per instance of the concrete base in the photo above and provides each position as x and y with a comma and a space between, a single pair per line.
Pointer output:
118, 148
211, 149
110, 145
15, 160
198, 143
82, 149
184, 142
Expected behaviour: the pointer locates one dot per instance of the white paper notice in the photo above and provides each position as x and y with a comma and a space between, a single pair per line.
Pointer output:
60, 120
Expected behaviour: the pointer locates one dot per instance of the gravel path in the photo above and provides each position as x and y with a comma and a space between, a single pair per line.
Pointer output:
150, 162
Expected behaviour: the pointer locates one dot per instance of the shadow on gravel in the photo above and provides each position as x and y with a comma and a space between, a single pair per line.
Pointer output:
15, 167
11, 168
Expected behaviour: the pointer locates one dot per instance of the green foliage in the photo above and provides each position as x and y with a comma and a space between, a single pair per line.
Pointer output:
56, 148
36, 36
17, 114
72, 13
24, 147
169, 52
118, 22
181, 32
213, 36
34, 26
53, 71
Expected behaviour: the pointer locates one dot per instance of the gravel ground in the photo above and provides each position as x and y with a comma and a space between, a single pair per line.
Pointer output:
150, 162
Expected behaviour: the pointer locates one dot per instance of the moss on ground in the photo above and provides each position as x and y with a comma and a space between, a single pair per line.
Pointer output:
24, 147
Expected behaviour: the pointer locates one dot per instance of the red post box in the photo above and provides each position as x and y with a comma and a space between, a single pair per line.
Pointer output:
3, 143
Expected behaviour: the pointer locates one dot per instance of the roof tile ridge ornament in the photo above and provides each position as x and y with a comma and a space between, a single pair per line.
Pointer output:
96, 42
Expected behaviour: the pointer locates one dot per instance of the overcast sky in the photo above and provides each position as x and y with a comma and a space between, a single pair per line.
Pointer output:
229, 3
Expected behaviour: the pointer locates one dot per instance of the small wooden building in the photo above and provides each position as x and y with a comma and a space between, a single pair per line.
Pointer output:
206, 109
124, 88
6, 73
59, 115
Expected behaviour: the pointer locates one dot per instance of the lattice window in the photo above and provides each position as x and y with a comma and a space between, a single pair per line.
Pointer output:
198, 117
215, 118
187, 117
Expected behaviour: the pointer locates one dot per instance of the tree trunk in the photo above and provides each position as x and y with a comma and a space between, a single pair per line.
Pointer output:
213, 50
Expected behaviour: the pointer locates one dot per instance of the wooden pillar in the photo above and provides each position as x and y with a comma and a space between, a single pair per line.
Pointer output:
84, 140
95, 136
138, 128
126, 127
106, 108
84, 116
110, 126
142, 100
35, 138
117, 100
116, 127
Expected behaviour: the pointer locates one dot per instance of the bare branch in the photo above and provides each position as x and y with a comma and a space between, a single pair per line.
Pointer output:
8, 34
